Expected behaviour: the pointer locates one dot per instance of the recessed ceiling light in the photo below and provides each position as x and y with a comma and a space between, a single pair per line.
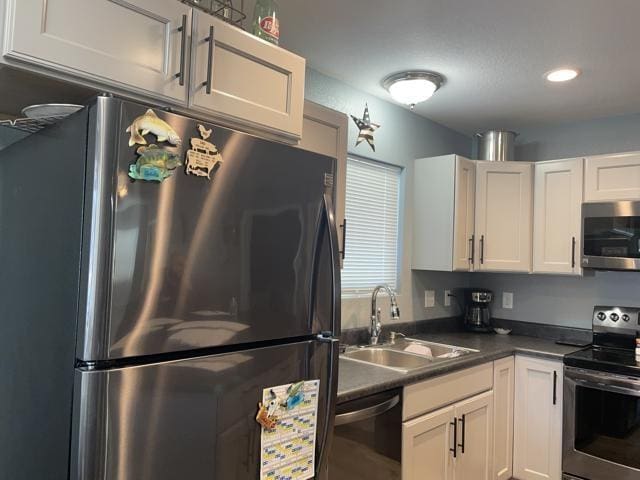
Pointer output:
562, 74
412, 87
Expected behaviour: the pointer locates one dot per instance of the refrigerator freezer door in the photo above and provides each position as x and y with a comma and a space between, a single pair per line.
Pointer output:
194, 263
189, 419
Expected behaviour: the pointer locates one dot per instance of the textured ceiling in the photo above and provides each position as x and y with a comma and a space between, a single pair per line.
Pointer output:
493, 54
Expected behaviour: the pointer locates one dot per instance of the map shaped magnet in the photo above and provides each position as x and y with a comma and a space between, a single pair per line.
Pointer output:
203, 157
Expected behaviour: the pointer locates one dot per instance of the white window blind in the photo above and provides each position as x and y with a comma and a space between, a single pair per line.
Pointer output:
372, 211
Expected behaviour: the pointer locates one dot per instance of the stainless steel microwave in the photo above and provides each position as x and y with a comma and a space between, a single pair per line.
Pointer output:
611, 235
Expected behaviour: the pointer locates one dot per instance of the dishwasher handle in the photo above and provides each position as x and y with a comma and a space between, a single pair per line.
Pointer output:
368, 412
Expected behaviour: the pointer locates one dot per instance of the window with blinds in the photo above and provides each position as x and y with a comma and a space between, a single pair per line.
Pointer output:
372, 210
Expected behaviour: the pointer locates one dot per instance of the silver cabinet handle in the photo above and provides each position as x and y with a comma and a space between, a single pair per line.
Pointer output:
463, 421
573, 252
481, 249
472, 250
555, 387
183, 40
212, 44
364, 413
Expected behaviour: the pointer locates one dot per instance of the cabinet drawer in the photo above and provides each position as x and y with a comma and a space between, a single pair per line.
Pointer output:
135, 45
440, 391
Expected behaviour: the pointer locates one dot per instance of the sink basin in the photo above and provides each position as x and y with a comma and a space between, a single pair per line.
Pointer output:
406, 355
435, 351
386, 357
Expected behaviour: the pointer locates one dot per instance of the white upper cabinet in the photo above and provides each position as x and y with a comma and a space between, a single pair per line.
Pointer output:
557, 216
138, 45
242, 79
612, 177
443, 213
325, 131
537, 449
503, 216
464, 214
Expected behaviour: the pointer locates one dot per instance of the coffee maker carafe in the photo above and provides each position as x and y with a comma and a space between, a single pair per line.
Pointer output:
477, 317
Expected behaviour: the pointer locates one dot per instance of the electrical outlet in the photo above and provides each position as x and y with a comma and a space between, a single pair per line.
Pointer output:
447, 298
429, 298
507, 300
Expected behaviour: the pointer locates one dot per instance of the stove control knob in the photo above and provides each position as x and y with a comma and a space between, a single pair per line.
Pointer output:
626, 317
615, 317
601, 316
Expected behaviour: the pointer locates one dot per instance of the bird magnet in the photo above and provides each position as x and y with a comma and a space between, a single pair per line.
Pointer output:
203, 157
151, 123
154, 164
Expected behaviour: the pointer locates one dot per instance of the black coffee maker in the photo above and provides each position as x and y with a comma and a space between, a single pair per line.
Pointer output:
477, 316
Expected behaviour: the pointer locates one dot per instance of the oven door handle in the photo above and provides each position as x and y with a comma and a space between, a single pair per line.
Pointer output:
604, 381
368, 412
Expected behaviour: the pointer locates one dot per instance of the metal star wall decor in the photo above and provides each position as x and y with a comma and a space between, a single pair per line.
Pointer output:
366, 128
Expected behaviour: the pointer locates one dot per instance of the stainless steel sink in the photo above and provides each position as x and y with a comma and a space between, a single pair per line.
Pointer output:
405, 355
386, 357
435, 351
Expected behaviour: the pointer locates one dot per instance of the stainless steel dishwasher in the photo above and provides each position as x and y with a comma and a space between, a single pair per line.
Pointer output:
367, 440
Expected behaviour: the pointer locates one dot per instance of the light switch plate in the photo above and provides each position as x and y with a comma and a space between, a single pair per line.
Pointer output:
429, 298
507, 300
447, 298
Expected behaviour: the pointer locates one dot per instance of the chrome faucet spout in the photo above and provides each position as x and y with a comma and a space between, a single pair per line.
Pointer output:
376, 324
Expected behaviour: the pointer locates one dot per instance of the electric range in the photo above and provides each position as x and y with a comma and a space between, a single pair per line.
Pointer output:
601, 413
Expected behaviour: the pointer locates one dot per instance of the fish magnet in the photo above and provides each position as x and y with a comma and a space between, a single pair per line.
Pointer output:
151, 123
154, 164
203, 157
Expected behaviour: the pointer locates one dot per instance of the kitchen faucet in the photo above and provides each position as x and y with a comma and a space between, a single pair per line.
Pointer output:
376, 325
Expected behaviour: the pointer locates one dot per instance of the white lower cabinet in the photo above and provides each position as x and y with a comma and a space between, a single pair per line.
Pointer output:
537, 450
503, 392
426, 446
454, 442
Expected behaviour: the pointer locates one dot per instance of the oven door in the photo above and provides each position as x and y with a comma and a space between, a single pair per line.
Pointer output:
611, 235
601, 439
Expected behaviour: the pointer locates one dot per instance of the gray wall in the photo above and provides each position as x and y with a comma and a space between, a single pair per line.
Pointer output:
605, 135
561, 300
402, 137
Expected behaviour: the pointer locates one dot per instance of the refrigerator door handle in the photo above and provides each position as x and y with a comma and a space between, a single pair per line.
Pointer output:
335, 261
327, 428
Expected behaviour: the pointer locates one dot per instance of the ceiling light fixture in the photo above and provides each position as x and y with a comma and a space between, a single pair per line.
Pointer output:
412, 87
562, 74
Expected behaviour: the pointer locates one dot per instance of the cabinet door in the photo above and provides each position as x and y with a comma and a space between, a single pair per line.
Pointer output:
475, 438
137, 45
464, 211
245, 80
503, 216
557, 217
537, 448
426, 444
325, 131
503, 395
612, 177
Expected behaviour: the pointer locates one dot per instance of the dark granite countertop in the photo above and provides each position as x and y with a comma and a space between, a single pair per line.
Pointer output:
358, 379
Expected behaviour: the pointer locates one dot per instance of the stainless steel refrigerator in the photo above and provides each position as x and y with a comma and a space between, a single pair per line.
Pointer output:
140, 320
